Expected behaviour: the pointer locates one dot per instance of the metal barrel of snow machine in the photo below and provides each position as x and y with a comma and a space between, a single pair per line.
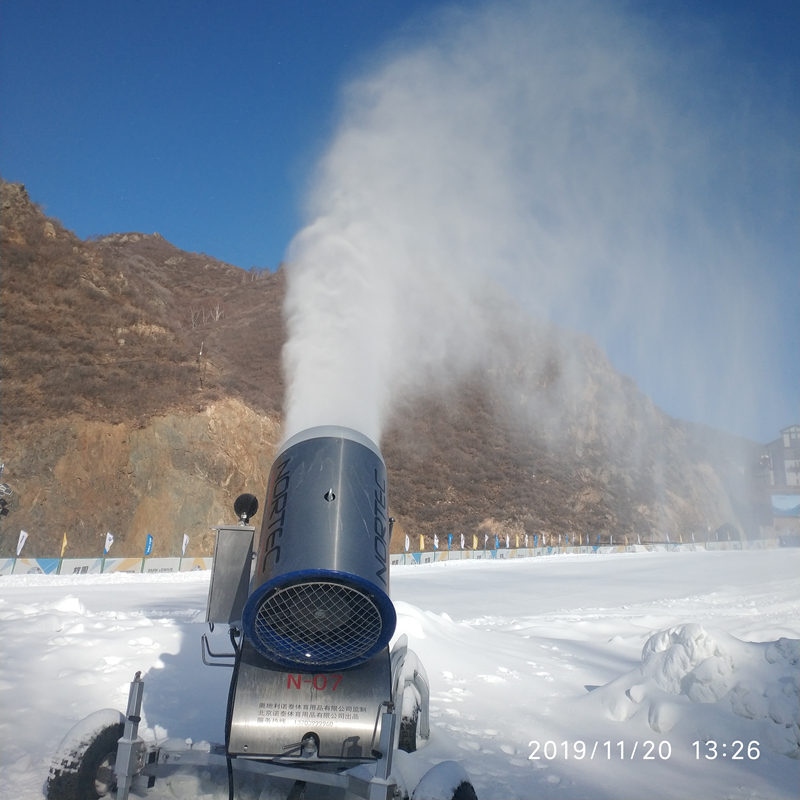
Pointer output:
319, 597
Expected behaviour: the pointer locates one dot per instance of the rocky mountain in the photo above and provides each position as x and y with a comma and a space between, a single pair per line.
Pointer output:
142, 390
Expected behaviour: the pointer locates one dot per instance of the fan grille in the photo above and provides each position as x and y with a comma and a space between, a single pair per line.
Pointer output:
317, 624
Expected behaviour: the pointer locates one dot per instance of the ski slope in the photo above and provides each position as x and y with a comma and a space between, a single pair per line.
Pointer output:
571, 677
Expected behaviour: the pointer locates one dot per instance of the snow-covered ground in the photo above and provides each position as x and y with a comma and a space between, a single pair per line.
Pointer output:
572, 676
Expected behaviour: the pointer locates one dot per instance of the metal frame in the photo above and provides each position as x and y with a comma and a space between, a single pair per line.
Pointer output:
380, 685
372, 780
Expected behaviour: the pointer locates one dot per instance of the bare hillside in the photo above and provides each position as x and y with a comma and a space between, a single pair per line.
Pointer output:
142, 391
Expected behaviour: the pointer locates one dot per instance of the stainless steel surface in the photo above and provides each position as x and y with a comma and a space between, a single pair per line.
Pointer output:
275, 709
409, 676
230, 573
130, 749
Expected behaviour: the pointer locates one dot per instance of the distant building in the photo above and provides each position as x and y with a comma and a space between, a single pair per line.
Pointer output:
781, 471
784, 458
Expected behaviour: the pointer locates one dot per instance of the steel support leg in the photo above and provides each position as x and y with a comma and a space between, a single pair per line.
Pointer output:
128, 747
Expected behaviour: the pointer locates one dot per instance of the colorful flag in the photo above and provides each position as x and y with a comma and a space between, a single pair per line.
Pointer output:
435, 541
148, 545
63, 544
109, 542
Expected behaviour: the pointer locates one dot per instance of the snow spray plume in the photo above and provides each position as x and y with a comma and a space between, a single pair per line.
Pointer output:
521, 150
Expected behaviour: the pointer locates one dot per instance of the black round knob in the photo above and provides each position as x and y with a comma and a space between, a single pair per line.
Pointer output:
245, 506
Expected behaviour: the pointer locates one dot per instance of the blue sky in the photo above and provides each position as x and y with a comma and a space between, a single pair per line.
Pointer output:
203, 121
199, 120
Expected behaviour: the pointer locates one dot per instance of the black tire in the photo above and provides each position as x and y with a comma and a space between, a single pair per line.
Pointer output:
464, 791
408, 733
435, 782
86, 772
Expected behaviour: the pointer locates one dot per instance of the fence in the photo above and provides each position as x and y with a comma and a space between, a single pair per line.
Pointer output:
399, 559
93, 566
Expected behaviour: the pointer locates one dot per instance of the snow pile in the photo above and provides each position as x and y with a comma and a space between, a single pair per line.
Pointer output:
751, 691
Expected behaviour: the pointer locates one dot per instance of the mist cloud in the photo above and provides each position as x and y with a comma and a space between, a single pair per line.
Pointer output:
539, 155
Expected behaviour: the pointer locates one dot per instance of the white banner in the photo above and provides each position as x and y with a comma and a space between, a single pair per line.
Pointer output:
109, 542
23, 537
185, 544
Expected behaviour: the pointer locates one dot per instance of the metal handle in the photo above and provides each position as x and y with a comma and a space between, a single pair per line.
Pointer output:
222, 659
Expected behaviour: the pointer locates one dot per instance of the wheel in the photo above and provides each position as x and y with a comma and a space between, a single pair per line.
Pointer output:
464, 791
445, 781
408, 732
83, 769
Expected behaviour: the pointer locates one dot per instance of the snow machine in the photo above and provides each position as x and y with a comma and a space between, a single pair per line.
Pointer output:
316, 696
